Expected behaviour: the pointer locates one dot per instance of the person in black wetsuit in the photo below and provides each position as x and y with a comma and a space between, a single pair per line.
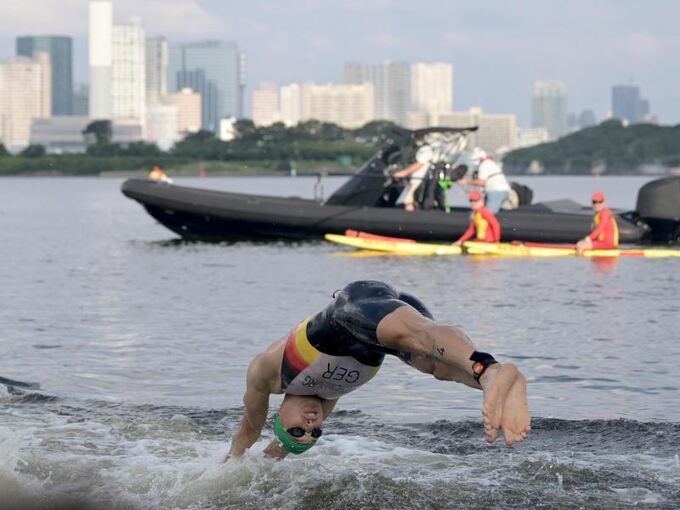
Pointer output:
342, 347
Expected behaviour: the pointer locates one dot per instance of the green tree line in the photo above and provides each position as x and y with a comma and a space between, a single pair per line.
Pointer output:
274, 147
611, 146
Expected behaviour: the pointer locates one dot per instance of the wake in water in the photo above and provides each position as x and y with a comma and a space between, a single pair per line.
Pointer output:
124, 456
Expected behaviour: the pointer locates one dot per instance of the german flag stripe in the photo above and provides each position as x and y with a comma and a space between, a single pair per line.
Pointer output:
291, 356
304, 349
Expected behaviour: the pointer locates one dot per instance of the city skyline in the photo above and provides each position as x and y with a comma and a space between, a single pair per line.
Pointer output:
497, 50
60, 51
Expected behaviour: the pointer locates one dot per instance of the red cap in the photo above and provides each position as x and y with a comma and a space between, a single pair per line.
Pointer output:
597, 197
475, 195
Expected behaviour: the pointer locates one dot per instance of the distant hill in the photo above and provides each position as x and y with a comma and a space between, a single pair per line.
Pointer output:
610, 147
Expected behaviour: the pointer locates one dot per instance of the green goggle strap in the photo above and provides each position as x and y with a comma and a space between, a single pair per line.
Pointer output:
288, 443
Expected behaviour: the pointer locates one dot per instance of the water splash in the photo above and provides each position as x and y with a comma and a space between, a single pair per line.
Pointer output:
10, 444
129, 456
560, 479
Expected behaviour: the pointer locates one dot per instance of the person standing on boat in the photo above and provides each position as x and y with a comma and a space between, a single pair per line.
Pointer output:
490, 176
416, 173
483, 226
341, 348
605, 234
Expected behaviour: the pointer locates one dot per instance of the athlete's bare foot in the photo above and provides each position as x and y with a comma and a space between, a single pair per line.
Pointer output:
515, 422
496, 383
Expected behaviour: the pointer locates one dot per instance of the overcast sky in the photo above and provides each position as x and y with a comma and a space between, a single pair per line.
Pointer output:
497, 47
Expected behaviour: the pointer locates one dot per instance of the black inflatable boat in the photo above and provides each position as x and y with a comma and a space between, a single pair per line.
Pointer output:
366, 202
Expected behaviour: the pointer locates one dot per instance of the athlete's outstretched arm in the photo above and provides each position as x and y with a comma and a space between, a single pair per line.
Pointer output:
256, 405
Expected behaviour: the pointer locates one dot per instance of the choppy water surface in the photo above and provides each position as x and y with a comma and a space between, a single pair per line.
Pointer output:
123, 354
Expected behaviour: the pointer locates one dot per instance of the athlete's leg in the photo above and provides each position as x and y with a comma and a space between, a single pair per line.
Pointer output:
431, 366
514, 413
515, 420
408, 331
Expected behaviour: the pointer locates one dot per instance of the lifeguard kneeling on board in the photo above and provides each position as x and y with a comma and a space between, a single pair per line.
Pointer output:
483, 225
605, 234
157, 174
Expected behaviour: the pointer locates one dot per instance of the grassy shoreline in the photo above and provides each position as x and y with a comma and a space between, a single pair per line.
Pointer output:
69, 166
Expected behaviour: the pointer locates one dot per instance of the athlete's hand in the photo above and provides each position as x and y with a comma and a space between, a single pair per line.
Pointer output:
275, 451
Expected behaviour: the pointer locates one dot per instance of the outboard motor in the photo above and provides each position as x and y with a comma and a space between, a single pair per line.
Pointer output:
658, 204
524, 193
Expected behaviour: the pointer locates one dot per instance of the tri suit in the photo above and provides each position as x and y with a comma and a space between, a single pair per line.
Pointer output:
337, 350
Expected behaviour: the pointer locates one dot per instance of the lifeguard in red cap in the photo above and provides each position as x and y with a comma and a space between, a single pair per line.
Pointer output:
157, 174
605, 234
484, 226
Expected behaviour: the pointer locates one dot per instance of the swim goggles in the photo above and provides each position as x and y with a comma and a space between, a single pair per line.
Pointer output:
285, 437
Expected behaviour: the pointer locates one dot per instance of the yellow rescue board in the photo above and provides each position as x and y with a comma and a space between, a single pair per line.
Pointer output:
522, 250
398, 247
409, 247
517, 250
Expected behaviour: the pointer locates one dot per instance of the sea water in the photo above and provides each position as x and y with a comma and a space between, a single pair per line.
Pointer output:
123, 354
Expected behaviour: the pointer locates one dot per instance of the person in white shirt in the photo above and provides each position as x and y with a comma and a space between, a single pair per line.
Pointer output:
416, 171
490, 176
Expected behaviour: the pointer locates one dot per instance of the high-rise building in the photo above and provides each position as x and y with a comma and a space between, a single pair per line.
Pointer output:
214, 69
432, 88
64, 135
100, 39
126, 131
529, 137
572, 122
628, 105
497, 131
419, 120
227, 131
25, 94
60, 135
266, 105
60, 50
391, 85
586, 119
188, 105
156, 69
128, 72
291, 104
161, 125
549, 108
81, 100
349, 106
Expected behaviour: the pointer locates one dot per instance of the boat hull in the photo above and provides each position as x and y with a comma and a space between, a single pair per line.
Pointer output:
208, 215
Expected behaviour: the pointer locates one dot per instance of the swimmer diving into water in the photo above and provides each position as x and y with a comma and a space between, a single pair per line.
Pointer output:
342, 347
